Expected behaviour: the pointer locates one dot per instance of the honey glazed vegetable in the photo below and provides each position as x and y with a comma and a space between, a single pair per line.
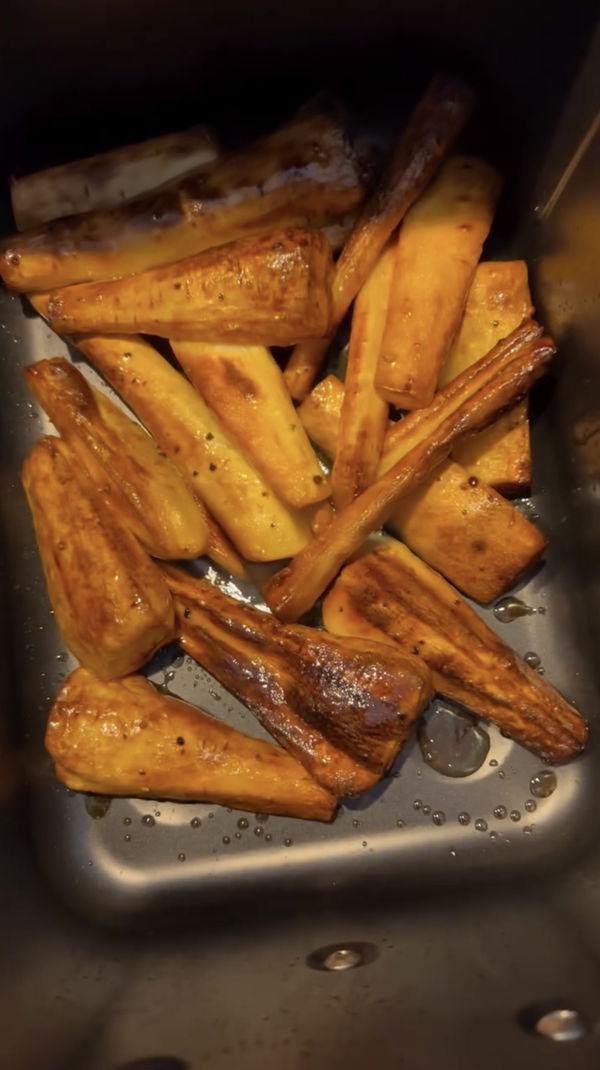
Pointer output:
223, 447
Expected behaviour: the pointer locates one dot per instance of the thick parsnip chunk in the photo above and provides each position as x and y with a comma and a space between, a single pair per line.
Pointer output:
245, 387
438, 247
111, 603
144, 485
125, 738
260, 526
455, 522
272, 289
499, 300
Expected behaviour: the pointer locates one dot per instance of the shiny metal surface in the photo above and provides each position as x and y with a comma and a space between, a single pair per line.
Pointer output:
469, 925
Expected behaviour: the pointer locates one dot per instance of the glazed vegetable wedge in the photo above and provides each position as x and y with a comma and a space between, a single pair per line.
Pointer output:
389, 594
303, 174
126, 738
110, 600
342, 708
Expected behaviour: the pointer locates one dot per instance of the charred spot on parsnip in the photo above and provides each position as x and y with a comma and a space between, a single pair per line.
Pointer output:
343, 708
305, 173
270, 289
392, 596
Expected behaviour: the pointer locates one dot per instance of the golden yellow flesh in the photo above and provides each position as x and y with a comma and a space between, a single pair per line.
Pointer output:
261, 527
111, 603
456, 523
244, 386
499, 300
109, 178
472, 401
269, 289
429, 134
125, 738
304, 174
166, 517
364, 415
438, 247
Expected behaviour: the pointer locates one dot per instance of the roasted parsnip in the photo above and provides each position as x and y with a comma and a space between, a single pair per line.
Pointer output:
432, 129
499, 300
469, 402
111, 603
268, 289
125, 738
389, 594
114, 450
108, 179
245, 387
438, 247
303, 174
261, 527
364, 415
455, 522
342, 708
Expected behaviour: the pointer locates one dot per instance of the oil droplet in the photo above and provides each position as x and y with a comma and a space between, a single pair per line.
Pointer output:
211, 814
501, 774
427, 810
181, 857
226, 840
543, 784
238, 835
509, 608
400, 823
268, 837
493, 835
493, 762
355, 823
97, 805
530, 805
243, 823
417, 804
126, 820
438, 817
258, 831
464, 818
127, 837
500, 812
532, 659
528, 829
365, 843
148, 820
452, 852
452, 743
288, 842
481, 824
195, 822
515, 815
